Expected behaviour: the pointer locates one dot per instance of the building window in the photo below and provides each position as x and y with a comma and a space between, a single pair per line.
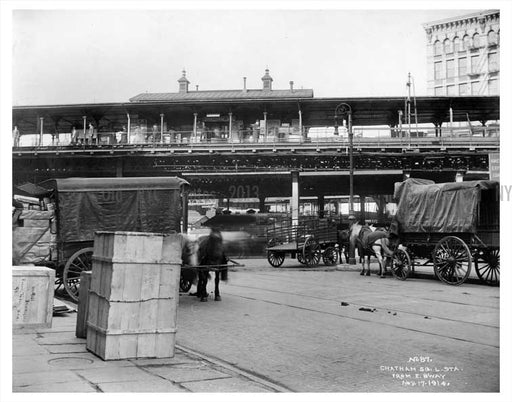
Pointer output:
465, 42
437, 48
494, 62
463, 89
492, 38
474, 65
456, 44
438, 91
475, 87
450, 90
463, 66
450, 68
476, 41
447, 45
438, 70
494, 87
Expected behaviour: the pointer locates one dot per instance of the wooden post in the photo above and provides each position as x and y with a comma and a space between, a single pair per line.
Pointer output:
300, 122
129, 128
41, 132
161, 128
230, 127
184, 207
195, 127
83, 304
266, 130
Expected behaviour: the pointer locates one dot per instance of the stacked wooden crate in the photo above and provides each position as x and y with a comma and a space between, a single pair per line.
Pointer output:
133, 296
34, 238
32, 297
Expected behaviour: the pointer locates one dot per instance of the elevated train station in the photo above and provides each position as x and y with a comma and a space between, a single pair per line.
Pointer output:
255, 143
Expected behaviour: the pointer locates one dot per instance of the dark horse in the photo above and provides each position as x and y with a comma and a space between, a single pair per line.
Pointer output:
207, 253
369, 242
344, 243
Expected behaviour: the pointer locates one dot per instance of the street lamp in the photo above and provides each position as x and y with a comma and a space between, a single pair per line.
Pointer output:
345, 109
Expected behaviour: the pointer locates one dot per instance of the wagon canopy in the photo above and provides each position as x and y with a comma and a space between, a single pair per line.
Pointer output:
424, 206
139, 204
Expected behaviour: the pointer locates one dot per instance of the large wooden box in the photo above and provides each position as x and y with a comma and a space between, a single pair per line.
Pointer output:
133, 296
32, 297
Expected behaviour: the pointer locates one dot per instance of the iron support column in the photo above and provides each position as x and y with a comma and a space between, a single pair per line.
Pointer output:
321, 205
295, 198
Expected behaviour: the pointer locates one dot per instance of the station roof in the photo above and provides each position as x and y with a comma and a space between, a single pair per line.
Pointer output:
218, 95
366, 111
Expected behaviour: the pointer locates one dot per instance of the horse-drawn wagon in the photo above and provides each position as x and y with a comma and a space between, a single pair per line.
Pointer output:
86, 205
308, 240
451, 226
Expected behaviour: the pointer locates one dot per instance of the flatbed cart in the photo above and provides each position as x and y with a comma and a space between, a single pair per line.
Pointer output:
309, 240
449, 226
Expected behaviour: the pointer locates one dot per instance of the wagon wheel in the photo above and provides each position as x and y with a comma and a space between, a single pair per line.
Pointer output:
311, 252
452, 260
489, 271
275, 258
300, 258
401, 264
330, 256
78, 262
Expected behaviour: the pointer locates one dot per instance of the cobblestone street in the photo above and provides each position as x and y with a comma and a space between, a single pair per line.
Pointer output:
305, 331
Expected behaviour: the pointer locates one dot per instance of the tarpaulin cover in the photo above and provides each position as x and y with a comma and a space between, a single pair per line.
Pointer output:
151, 205
83, 213
424, 206
32, 245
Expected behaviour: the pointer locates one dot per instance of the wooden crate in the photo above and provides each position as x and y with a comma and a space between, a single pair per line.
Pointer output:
32, 297
134, 294
122, 330
83, 305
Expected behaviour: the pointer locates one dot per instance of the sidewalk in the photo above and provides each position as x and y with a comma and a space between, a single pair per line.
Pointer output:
54, 360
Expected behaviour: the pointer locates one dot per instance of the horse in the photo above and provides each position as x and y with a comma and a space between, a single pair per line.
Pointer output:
344, 243
201, 253
369, 241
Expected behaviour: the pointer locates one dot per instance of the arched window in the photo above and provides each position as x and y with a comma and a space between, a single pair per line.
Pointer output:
492, 38
447, 44
437, 48
476, 40
465, 42
456, 44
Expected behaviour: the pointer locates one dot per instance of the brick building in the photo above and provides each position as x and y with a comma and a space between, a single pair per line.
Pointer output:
463, 55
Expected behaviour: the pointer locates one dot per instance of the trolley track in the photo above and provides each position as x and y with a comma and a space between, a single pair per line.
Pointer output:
296, 281
368, 321
380, 307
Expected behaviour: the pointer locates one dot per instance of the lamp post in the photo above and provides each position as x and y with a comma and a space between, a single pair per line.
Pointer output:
345, 109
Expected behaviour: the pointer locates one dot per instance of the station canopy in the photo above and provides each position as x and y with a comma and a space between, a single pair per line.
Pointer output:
316, 112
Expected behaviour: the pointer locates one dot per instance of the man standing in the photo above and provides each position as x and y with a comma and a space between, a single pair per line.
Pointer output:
16, 136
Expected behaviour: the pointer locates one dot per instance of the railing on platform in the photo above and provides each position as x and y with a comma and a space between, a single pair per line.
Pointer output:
367, 138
